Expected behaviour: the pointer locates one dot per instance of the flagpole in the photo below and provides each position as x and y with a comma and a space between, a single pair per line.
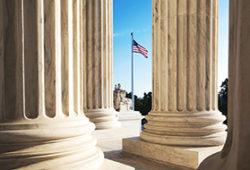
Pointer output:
132, 73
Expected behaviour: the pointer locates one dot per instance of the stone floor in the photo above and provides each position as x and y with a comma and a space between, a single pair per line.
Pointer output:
113, 151
139, 163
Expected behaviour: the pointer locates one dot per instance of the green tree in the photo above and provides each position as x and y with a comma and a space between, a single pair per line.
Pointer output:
223, 98
143, 104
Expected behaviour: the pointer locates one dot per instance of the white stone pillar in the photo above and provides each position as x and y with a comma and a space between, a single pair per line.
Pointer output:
184, 103
42, 124
98, 64
184, 125
236, 152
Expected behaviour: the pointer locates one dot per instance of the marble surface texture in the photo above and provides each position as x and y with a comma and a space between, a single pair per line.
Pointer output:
184, 103
42, 122
97, 66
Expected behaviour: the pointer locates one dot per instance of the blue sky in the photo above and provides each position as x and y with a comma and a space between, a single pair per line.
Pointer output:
135, 16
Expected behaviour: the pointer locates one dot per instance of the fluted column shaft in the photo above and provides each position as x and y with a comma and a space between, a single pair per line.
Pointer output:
184, 107
184, 38
98, 60
42, 124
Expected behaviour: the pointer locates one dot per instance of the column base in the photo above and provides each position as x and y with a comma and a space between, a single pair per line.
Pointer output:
189, 157
103, 118
199, 129
58, 143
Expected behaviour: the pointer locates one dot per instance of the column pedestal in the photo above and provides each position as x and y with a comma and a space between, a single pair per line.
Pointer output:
180, 156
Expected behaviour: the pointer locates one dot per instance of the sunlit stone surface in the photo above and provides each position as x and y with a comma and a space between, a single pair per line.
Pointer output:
56, 63
42, 124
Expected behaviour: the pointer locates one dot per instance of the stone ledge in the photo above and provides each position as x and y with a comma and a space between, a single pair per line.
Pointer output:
112, 165
189, 157
129, 115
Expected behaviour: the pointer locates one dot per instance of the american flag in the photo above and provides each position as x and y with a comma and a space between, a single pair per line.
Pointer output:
137, 48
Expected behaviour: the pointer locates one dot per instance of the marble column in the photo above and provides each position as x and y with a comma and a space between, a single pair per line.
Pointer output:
42, 123
236, 152
98, 63
184, 125
184, 103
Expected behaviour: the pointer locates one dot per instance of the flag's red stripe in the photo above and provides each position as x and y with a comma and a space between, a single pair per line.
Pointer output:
143, 50
142, 47
139, 49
